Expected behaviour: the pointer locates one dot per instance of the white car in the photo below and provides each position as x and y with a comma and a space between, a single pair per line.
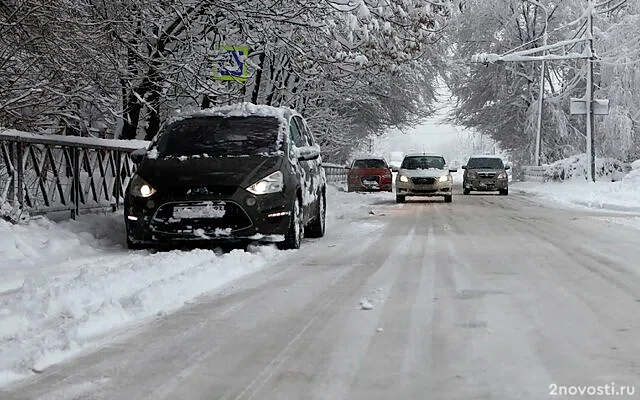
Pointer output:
424, 175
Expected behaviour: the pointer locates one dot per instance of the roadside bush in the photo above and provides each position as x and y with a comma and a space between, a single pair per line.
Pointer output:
607, 168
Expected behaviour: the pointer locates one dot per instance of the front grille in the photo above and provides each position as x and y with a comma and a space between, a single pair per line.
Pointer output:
424, 190
370, 179
423, 181
486, 175
235, 218
212, 190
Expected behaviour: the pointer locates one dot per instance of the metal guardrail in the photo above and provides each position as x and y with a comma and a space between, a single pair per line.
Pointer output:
336, 174
40, 174
534, 173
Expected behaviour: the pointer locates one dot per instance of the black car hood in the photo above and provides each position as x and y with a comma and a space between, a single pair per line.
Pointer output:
224, 171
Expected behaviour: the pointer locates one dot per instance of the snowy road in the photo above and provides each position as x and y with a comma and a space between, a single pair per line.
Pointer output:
489, 297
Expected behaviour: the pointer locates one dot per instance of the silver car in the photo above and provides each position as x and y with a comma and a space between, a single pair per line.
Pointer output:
485, 173
424, 175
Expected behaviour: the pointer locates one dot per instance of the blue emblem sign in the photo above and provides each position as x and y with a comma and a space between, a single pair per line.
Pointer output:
230, 64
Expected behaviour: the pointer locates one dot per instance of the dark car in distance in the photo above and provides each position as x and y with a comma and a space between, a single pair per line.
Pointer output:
246, 172
485, 174
369, 174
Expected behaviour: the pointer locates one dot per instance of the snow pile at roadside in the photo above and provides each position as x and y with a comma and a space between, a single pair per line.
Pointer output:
65, 284
623, 195
575, 167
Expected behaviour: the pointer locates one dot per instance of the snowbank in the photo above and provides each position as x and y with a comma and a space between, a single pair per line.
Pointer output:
69, 284
608, 169
623, 195
65, 284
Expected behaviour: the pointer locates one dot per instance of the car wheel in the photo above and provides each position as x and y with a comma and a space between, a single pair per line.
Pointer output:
504, 192
400, 199
293, 238
466, 191
317, 227
448, 199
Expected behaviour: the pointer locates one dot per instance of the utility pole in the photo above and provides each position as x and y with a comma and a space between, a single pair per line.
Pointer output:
541, 95
587, 105
589, 97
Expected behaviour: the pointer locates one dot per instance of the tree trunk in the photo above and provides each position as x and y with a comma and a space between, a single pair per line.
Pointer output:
131, 115
154, 115
206, 101
276, 72
256, 88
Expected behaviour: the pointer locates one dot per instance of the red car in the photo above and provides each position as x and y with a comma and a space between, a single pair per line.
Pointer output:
369, 174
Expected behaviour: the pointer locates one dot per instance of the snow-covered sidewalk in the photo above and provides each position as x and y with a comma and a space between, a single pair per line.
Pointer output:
621, 196
65, 285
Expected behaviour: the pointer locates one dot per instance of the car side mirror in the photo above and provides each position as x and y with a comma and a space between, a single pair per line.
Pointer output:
308, 153
507, 167
138, 155
464, 167
453, 170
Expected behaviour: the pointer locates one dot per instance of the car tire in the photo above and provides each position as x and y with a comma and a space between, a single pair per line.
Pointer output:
317, 227
504, 192
466, 191
448, 199
293, 237
400, 199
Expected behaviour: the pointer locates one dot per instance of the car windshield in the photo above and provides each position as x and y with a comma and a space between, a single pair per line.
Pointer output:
485, 163
423, 162
218, 136
370, 163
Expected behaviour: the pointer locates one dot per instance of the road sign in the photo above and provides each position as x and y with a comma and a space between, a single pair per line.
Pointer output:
579, 106
230, 64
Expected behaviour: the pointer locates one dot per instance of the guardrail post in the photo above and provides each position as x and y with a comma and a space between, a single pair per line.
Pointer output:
75, 193
118, 179
20, 173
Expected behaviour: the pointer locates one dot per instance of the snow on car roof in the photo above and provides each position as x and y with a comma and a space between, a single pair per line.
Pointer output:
424, 154
245, 110
369, 157
486, 156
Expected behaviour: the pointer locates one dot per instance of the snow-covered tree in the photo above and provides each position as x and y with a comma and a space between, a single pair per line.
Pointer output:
502, 99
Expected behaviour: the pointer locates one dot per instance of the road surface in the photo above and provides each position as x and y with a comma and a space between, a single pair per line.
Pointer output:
489, 297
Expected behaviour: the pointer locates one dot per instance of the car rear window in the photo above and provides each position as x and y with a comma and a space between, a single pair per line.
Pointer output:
423, 162
218, 136
485, 163
369, 163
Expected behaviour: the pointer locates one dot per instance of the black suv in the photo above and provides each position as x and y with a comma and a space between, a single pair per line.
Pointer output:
249, 173
485, 173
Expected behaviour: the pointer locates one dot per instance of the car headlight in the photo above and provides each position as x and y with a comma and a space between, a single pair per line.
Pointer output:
141, 188
472, 174
443, 178
404, 178
502, 175
273, 183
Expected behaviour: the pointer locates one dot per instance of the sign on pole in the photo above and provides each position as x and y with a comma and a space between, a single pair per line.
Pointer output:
230, 64
579, 106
